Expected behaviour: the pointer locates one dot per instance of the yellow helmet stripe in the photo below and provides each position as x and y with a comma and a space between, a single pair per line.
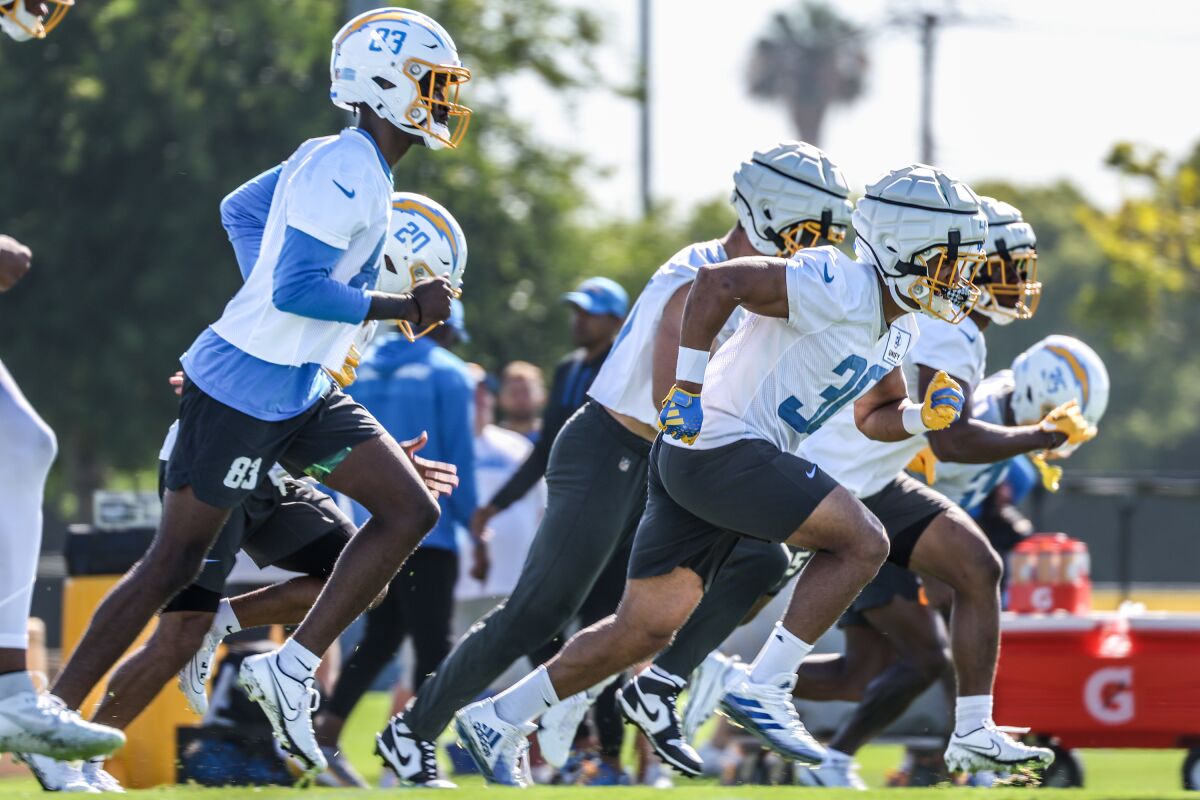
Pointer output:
435, 219
1077, 369
382, 15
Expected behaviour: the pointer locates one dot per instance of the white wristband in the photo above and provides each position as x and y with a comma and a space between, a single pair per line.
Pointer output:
690, 365
910, 417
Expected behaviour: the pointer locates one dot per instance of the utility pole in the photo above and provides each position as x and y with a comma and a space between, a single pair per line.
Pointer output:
928, 23
644, 152
928, 27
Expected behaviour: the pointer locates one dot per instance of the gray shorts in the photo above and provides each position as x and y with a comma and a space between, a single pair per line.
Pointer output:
699, 502
906, 507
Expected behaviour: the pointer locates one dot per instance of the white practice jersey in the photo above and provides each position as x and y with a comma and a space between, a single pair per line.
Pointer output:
969, 484
337, 190
498, 454
625, 382
782, 379
864, 466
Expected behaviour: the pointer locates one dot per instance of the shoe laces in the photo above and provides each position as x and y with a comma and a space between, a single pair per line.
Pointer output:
782, 697
428, 757
55, 707
314, 697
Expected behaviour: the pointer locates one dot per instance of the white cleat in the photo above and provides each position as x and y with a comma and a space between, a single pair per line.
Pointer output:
99, 778
193, 678
32, 722
56, 776
559, 725
411, 759
497, 747
989, 747
833, 772
710, 680
288, 704
766, 710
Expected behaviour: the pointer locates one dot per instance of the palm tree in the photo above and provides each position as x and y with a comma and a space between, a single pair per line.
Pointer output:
810, 58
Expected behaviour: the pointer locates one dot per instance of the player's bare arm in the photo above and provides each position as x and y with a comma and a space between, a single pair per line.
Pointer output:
885, 413
757, 284
15, 259
973, 441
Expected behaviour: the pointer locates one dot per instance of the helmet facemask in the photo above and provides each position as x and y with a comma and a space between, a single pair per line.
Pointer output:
23, 24
807, 233
1009, 288
937, 280
435, 111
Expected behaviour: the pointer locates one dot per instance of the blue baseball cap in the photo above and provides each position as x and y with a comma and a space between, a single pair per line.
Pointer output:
599, 296
457, 321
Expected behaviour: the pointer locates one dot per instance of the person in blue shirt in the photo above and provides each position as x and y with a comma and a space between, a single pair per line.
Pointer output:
412, 389
256, 389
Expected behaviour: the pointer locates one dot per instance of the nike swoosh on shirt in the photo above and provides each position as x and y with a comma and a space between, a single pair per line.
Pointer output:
348, 192
825, 274
970, 338
811, 473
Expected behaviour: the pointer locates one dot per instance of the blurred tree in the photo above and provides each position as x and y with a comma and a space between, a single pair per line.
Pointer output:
129, 124
811, 59
1146, 299
1125, 282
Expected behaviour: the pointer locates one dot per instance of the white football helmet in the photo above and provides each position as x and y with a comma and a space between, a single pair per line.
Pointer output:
404, 67
924, 232
1007, 281
1054, 371
789, 197
423, 241
22, 19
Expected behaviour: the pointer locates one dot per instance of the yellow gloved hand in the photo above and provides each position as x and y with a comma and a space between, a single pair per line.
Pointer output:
943, 402
1068, 419
346, 375
924, 463
1051, 475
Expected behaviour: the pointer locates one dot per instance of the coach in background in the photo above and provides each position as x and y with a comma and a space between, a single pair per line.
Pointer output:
522, 399
599, 305
412, 388
498, 454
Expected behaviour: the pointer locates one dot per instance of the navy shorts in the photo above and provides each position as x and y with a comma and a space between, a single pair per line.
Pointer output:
699, 502
224, 455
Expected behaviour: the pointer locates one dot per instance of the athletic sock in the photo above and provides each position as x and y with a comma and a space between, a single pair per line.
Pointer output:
295, 661
226, 622
525, 700
12, 683
781, 655
972, 712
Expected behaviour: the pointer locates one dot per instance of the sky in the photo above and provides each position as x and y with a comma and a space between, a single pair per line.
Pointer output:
1025, 90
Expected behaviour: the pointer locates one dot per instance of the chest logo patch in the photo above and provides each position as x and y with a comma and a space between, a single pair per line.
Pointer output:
899, 340
624, 464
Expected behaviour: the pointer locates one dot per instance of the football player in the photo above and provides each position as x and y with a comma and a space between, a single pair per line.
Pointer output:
30, 721
932, 535
824, 331
23, 20
255, 389
788, 197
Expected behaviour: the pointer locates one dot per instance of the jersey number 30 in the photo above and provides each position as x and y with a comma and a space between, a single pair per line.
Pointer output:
835, 397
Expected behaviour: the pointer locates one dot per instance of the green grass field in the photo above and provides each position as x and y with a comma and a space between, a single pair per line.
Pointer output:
1110, 774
